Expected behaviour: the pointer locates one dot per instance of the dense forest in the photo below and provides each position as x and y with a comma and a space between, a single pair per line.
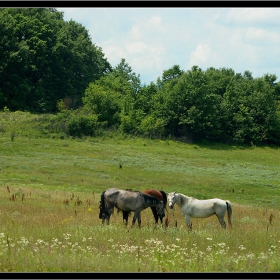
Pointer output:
51, 66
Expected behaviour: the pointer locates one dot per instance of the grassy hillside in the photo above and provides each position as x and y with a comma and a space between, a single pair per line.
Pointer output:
244, 175
43, 178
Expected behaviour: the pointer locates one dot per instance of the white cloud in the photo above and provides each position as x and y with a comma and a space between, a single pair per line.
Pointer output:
262, 37
253, 16
156, 23
136, 47
201, 55
148, 29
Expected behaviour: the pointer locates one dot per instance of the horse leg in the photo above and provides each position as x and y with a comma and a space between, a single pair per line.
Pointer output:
139, 220
222, 221
125, 217
104, 217
188, 221
155, 214
108, 215
133, 219
108, 218
137, 216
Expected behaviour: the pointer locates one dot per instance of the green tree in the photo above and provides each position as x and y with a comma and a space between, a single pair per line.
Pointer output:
218, 79
249, 109
121, 79
102, 103
188, 108
172, 73
45, 59
145, 98
124, 87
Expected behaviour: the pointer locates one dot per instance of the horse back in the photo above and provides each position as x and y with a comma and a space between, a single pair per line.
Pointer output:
153, 192
128, 200
161, 195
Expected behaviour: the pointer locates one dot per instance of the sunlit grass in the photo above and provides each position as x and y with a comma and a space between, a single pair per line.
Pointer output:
249, 176
49, 231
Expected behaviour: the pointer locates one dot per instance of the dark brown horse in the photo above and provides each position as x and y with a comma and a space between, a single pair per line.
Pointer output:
161, 195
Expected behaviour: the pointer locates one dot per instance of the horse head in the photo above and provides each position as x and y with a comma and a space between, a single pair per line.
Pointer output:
102, 209
172, 199
101, 212
160, 209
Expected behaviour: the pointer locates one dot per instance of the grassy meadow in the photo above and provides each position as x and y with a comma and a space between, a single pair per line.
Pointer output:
50, 188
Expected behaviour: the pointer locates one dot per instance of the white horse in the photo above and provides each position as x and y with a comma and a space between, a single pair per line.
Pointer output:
195, 208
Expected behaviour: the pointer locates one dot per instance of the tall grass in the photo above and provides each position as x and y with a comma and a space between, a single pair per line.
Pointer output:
48, 231
50, 190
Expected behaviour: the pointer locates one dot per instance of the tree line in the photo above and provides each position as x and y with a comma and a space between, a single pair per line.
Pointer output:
51, 66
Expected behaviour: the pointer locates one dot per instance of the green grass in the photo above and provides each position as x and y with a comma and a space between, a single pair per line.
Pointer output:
247, 176
43, 228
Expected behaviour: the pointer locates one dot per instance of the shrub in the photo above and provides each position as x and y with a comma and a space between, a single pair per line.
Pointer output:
127, 124
152, 127
82, 125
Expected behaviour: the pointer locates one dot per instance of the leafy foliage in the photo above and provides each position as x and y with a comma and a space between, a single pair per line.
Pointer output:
104, 104
82, 125
45, 59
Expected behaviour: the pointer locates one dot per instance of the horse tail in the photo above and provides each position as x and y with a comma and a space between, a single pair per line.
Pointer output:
164, 198
102, 200
102, 204
229, 213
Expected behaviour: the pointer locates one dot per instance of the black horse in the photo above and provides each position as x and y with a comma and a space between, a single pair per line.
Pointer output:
127, 201
161, 195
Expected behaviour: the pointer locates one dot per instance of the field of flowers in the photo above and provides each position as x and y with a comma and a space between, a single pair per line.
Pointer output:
40, 232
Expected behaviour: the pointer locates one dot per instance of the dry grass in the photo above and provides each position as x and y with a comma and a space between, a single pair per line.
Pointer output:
61, 231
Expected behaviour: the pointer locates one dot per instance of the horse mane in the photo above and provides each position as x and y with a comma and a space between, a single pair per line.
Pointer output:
102, 203
182, 197
150, 198
185, 197
164, 198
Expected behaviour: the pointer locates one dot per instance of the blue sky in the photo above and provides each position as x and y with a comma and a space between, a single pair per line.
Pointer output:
152, 40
